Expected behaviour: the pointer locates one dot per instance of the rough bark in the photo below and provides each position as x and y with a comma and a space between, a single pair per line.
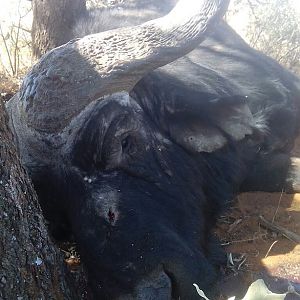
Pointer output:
52, 23
31, 267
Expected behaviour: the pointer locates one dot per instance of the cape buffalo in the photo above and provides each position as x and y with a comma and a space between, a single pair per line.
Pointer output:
139, 156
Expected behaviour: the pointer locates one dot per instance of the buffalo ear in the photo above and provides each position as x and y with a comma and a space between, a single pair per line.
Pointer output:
206, 127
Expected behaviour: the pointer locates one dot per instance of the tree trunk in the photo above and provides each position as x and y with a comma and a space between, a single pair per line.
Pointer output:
52, 23
31, 267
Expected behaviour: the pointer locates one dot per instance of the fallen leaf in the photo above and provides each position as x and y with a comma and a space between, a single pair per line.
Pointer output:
200, 292
259, 291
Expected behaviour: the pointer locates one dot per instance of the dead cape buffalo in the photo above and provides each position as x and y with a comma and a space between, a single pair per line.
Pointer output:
139, 156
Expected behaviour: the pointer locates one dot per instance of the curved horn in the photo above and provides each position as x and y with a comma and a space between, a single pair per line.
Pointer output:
71, 76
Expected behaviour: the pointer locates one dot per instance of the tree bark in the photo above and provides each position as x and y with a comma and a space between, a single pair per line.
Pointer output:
31, 267
52, 23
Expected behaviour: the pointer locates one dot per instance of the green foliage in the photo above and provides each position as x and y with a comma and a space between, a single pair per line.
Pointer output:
274, 29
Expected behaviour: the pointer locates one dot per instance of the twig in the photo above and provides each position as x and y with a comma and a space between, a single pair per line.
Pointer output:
288, 52
22, 28
16, 51
6, 48
270, 249
276, 211
242, 262
279, 229
234, 224
257, 37
241, 241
